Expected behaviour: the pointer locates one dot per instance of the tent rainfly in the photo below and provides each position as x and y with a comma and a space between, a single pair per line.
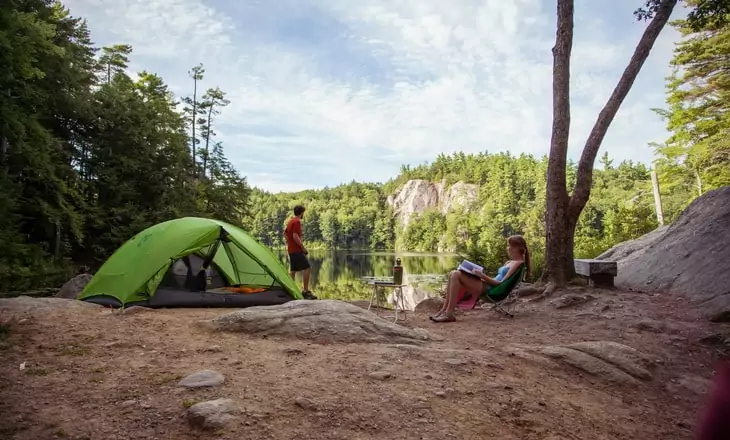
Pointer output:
191, 262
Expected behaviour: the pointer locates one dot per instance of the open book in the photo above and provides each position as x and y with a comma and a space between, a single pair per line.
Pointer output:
469, 267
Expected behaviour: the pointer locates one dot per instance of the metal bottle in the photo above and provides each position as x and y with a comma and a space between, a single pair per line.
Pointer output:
397, 273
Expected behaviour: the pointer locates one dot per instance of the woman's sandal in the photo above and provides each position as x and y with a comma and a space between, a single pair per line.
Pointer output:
445, 317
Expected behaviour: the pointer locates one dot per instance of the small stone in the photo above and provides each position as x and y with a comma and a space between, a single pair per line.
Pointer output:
306, 403
380, 375
293, 351
649, 326
213, 414
445, 392
455, 362
212, 349
129, 403
205, 378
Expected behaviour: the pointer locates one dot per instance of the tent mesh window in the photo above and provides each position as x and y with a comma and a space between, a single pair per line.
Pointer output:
186, 268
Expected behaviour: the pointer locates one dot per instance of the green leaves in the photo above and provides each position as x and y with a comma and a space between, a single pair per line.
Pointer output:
696, 157
89, 157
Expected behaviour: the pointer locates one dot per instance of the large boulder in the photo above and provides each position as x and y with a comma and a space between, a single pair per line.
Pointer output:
689, 257
74, 286
324, 320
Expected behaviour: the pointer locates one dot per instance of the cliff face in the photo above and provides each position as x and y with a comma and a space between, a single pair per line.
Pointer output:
416, 196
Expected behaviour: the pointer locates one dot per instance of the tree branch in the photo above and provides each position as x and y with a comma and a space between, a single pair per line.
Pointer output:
584, 178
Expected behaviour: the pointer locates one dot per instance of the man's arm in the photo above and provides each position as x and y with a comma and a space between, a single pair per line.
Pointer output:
298, 241
297, 235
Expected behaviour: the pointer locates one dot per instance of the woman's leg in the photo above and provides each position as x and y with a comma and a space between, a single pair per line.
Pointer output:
457, 281
446, 297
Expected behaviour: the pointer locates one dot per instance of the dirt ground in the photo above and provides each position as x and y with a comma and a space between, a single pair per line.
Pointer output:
91, 374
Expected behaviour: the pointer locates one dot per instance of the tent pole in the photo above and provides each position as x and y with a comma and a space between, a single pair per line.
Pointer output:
229, 253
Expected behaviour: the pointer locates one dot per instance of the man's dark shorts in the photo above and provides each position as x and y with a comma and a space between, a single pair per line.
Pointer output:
298, 262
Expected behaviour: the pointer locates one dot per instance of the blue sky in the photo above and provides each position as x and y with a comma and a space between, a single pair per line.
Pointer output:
326, 91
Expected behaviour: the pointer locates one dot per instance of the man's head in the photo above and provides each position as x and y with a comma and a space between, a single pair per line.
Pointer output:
299, 211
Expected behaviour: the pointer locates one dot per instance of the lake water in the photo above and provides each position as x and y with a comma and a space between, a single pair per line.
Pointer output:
337, 274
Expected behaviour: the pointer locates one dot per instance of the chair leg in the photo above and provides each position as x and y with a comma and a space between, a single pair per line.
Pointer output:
499, 308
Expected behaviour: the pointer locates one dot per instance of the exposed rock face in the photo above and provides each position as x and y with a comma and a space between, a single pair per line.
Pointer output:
416, 196
459, 194
689, 257
324, 320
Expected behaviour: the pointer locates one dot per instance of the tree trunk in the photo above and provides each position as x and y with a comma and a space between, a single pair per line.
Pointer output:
563, 212
194, 121
584, 178
207, 140
699, 183
558, 249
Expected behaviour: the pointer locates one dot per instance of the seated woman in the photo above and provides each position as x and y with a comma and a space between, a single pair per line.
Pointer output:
475, 284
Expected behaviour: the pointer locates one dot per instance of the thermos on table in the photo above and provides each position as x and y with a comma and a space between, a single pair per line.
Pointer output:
397, 273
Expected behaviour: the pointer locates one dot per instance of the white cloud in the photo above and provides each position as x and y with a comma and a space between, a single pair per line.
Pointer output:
324, 91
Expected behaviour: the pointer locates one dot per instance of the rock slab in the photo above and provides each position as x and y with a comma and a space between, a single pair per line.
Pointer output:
29, 304
213, 414
608, 360
324, 320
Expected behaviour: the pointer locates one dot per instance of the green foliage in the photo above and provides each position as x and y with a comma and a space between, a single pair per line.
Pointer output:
510, 200
89, 156
696, 157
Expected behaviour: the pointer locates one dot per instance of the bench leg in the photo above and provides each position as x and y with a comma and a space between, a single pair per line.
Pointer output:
601, 280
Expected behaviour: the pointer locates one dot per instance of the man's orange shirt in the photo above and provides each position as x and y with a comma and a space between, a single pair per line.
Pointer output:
293, 226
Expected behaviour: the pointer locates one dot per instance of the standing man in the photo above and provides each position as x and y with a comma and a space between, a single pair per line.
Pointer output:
297, 252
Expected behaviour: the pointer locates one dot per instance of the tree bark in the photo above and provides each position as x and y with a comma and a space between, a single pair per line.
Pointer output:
557, 251
584, 179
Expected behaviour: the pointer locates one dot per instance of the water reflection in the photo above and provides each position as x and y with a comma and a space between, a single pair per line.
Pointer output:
336, 274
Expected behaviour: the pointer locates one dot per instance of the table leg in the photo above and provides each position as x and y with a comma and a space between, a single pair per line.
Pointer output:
372, 297
399, 304
395, 305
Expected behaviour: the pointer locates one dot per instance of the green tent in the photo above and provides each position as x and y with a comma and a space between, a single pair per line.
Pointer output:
191, 262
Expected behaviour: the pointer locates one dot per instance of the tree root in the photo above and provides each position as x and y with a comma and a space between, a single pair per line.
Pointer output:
549, 289
528, 290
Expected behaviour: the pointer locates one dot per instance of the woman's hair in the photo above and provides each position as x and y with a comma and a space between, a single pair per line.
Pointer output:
519, 242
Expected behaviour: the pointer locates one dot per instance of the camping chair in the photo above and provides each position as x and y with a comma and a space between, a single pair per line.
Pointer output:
497, 295
502, 294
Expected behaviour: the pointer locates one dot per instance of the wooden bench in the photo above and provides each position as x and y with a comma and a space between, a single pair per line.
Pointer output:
600, 273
